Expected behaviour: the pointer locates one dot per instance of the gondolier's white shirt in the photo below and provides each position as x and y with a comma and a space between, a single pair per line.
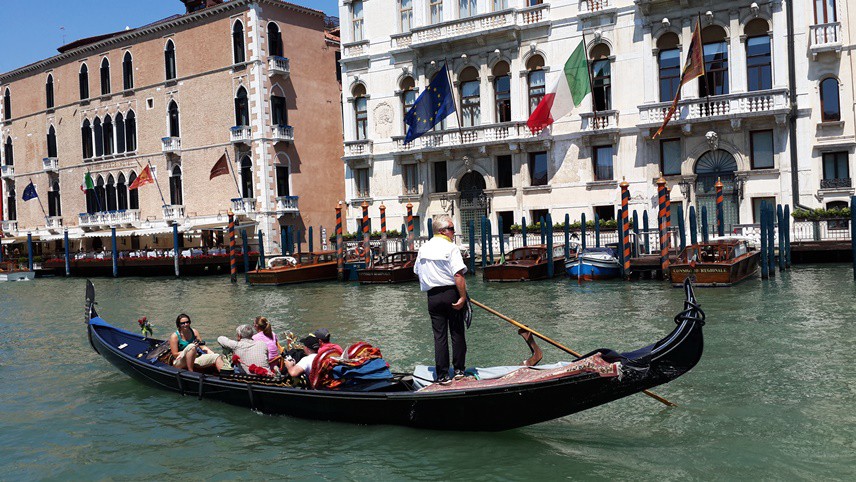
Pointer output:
438, 261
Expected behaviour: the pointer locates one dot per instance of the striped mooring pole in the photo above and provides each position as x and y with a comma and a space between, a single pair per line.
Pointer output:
625, 226
720, 222
382, 229
233, 267
668, 217
661, 223
340, 258
367, 248
410, 226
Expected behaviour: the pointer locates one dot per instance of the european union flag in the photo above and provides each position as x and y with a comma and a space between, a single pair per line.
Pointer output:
432, 106
29, 192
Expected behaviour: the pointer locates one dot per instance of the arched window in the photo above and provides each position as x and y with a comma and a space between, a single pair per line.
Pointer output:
361, 114
274, 40
127, 71
11, 212
133, 194
7, 104
8, 152
172, 112
49, 92
120, 133
238, 56
669, 66
99, 137
111, 193
715, 80
408, 96
601, 75
535, 80
100, 194
242, 108
169, 60
502, 91
470, 97
759, 60
52, 142
282, 187
246, 177
108, 135
105, 76
175, 195
121, 193
83, 78
279, 112
54, 205
86, 138
830, 107
131, 132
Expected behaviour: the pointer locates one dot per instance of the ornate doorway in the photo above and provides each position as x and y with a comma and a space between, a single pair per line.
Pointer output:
713, 165
474, 203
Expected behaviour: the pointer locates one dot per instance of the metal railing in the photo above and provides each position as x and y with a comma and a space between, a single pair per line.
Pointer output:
171, 144
279, 66
768, 101
468, 135
838, 183
109, 218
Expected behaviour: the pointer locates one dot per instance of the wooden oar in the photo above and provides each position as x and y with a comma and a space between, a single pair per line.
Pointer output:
558, 345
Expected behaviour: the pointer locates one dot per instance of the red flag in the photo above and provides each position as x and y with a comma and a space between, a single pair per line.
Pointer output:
220, 168
693, 69
144, 178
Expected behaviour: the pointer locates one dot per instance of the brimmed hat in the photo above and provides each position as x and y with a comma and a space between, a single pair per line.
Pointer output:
311, 342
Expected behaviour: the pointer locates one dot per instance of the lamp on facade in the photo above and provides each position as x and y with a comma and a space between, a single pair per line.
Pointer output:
444, 203
739, 182
686, 188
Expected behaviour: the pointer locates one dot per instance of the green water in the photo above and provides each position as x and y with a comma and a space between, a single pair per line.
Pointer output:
772, 397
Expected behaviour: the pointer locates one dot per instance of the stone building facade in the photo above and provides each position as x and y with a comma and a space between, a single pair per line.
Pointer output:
735, 124
255, 80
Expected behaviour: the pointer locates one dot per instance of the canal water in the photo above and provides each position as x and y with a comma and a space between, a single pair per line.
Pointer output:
772, 398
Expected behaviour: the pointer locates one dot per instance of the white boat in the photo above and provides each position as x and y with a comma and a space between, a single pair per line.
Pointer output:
17, 275
594, 264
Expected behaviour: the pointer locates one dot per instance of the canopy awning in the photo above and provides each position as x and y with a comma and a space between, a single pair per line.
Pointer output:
17, 239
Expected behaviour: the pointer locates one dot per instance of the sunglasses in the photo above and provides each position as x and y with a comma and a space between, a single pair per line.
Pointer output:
449, 228
184, 323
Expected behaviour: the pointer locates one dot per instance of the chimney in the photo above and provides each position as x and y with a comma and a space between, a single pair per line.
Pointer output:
194, 5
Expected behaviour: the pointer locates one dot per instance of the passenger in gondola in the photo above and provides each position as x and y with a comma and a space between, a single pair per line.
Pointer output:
311, 344
265, 333
189, 349
323, 335
251, 353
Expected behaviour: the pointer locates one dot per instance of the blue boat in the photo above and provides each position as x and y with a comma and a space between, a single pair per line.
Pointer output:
594, 264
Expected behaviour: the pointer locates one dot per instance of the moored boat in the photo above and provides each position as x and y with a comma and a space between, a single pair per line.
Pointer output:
11, 272
721, 262
316, 266
596, 263
528, 263
518, 397
393, 268
150, 264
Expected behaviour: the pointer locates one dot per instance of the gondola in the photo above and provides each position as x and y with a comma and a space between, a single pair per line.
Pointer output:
468, 404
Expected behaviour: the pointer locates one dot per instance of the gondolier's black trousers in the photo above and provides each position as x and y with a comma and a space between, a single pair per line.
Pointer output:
445, 319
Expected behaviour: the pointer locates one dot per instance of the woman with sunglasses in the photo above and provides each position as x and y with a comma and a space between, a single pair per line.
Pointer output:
186, 345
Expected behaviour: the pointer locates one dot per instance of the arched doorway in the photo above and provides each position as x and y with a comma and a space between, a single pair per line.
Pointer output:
474, 203
713, 165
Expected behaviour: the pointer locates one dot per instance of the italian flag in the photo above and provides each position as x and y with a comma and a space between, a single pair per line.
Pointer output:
87, 183
567, 91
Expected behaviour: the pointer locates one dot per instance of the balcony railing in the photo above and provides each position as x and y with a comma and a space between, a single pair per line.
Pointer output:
245, 205
282, 133
51, 164
241, 134
598, 121
825, 36
467, 136
171, 144
279, 66
594, 6
358, 148
840, 183
770, 102
173, 212
54, 223
7, 171
9, 226
355, 49
286, 204
109, 218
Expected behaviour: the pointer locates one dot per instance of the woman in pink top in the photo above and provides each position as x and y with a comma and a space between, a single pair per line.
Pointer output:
266, 334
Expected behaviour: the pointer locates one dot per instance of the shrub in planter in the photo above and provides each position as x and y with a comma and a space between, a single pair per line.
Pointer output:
819, 214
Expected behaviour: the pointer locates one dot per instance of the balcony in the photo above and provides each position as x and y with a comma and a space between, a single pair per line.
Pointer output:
589, 9
54, 223
7, 172
172, 213
355, 49
51, 164
286, 205
505, 23
467, 136
279, 66
358, 149
282, 133
245, 206
840, 183
732, 107
596, 122
9, 226
241, 134
171, 144
127, 217
825, 37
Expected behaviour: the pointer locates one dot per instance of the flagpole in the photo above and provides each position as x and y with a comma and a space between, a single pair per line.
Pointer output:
232, 171
94, 191
40, 201
157, 183
454, 100
591, 78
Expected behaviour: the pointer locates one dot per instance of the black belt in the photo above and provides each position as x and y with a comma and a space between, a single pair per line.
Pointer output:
441, 289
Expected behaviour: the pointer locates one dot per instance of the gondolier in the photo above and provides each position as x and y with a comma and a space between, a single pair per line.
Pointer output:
441, 269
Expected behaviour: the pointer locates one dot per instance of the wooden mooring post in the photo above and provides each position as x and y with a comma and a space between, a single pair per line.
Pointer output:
245, 251
499, 230
383, 229
635, 251
523, 231
472, 247
567, 235
645, 228
115, 250
693, 226
787, 216
764, 269
549, 235
30, 251
771, 239
310, 235
583, 229
620, 226
704, 231
261, 236
780, 223
853, 232
596, 230
67, 253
